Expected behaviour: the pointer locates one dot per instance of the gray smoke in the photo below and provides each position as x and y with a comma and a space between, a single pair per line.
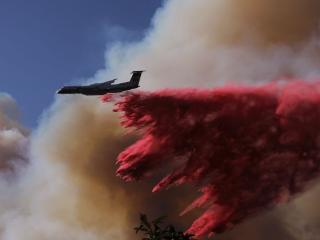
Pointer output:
13, 137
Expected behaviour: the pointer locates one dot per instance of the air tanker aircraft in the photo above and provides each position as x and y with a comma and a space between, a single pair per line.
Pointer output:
105, 87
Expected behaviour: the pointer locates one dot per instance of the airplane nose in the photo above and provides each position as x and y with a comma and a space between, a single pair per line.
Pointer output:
61, 91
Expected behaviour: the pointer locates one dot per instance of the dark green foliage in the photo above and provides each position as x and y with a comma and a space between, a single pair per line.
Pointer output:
154, 231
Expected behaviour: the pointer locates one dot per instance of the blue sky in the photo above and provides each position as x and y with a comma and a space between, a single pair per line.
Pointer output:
47, 43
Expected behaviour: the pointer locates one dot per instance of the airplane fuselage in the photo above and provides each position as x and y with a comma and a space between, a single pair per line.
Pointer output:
104, 88
91, 91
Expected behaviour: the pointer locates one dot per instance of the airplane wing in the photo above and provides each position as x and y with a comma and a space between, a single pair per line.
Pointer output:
107, 83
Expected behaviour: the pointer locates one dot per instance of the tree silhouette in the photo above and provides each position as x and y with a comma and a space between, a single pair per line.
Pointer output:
154, 231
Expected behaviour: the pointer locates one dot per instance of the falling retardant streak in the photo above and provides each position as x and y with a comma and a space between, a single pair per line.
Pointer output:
245, 148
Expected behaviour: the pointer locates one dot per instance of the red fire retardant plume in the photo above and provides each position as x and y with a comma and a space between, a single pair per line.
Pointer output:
246, 148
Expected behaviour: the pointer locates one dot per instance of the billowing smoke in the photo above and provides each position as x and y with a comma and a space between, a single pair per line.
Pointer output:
13, 137
69, 189
245, 148
64, 186
206, 43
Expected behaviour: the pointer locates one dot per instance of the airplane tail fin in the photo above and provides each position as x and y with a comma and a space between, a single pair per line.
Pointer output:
135, 79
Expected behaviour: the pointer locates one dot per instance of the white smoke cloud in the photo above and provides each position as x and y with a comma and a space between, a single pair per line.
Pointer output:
48, 199
69, 189
208, 43
13, 137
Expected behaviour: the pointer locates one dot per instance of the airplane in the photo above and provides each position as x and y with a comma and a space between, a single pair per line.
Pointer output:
105, 87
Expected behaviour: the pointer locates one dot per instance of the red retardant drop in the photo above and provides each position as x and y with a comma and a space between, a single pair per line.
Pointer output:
246, 148
107, 97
